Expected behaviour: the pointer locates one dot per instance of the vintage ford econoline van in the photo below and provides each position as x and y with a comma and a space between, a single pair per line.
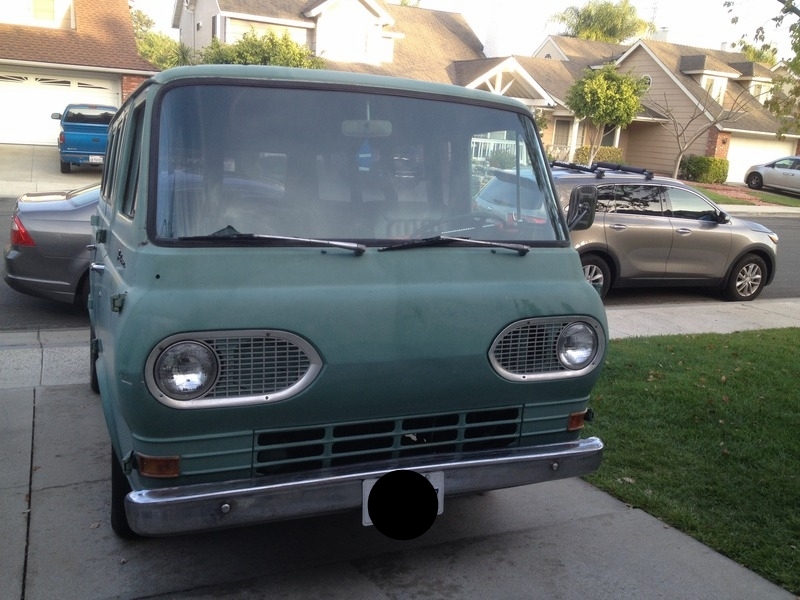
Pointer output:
295, 293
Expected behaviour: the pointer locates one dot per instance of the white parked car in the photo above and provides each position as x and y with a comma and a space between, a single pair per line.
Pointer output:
782, 174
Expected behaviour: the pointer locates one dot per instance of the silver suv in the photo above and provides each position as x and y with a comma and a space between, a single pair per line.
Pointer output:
652, 231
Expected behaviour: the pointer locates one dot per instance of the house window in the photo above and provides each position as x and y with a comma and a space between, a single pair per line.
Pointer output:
715, 86
561, 132
609, 136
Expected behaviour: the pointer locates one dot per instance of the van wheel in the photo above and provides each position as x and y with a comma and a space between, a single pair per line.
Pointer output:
119, 489
747, 279
65, 167
755, 181
596, 271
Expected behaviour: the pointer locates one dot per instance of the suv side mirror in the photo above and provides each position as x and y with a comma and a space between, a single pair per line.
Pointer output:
582, 207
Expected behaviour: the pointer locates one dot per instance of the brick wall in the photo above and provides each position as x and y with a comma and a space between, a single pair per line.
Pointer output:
130, 83
717, 143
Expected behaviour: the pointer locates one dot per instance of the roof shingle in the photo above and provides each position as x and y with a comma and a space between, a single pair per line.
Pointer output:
102, 38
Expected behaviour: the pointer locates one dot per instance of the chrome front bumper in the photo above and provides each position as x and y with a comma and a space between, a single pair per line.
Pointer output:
203, 507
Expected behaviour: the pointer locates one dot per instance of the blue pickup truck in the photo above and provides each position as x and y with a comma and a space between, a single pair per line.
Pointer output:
84, 133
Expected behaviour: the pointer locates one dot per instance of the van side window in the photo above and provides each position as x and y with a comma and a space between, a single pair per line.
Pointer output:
132, 181
109, 168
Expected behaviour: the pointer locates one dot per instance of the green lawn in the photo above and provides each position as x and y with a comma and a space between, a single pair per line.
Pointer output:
701, 431
720, 197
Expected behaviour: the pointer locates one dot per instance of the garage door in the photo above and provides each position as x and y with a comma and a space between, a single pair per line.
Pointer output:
28, 98
745, 152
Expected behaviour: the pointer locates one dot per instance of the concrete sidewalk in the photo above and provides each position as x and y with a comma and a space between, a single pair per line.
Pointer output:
563, 539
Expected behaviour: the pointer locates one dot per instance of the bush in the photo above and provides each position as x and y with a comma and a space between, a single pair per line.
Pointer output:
703, 169
604, 154
502, 159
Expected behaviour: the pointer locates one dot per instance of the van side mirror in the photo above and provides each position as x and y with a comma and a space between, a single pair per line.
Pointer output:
582, 207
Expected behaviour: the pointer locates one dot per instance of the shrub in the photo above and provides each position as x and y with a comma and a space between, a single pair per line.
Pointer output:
604, 154
502, 159
703, 169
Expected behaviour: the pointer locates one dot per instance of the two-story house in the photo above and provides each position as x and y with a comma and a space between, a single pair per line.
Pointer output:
714, 93
54, 52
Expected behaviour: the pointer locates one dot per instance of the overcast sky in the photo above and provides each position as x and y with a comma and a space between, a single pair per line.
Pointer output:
518, 26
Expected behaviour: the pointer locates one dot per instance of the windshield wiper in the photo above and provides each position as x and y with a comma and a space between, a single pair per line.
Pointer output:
441, 240
230, 233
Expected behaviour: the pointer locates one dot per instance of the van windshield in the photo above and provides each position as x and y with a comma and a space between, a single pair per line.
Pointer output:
336, 165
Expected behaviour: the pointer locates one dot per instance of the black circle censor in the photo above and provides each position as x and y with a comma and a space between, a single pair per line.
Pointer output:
402, 505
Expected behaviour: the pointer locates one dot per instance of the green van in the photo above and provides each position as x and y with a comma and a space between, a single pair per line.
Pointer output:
295, 293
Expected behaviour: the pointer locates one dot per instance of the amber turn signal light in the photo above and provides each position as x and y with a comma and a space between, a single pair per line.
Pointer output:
158, 466
576, 421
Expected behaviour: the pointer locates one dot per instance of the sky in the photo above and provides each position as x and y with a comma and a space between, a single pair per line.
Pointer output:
519, 26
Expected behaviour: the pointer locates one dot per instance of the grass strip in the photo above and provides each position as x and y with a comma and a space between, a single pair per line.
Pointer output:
701, 431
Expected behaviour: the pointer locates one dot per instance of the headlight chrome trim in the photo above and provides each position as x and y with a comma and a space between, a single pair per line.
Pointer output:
528, 350
254, 367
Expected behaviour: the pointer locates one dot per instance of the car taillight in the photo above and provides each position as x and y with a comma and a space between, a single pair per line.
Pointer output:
61, 139
20, 235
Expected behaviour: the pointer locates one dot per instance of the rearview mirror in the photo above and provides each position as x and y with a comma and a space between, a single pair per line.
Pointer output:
582, 207
56, 116
366, 128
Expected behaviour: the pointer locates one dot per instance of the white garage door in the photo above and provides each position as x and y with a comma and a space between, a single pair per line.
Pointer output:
28, 98
746, 152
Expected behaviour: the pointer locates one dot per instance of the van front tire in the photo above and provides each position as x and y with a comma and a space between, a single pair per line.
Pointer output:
120, 487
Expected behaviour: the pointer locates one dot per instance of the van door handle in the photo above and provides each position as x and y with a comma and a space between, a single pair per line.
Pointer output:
683, 231
618, 227
98, 268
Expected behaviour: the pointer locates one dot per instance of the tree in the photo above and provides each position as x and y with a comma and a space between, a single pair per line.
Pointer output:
268, 49
603, 21
606, 98
704, 116
157, 48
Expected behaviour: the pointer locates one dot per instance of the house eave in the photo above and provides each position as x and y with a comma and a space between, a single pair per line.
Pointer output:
270, 20
73, 67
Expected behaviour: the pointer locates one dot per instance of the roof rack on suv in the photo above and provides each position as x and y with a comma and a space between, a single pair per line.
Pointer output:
600, 168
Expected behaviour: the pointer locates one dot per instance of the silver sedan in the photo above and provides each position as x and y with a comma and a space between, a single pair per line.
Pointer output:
781, 174
46, 255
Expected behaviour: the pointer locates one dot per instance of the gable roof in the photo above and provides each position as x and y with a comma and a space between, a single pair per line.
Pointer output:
434, 42
670, 57
587, 52
101, 40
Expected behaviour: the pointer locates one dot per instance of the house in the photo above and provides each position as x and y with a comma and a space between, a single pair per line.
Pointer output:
53, 52
369, 36
691, 86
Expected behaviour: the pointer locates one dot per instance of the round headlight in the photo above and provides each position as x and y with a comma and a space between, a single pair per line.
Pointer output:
577, 345
186, 370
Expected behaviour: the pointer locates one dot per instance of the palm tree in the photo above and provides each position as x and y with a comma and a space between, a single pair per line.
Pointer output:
603, 21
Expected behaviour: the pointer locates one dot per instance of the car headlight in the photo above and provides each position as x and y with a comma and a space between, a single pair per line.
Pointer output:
577, 345
186, 370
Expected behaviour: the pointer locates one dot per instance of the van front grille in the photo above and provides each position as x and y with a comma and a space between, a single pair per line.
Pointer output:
310, 448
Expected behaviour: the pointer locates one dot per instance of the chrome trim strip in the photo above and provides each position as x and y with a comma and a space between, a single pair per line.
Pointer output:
208, 506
